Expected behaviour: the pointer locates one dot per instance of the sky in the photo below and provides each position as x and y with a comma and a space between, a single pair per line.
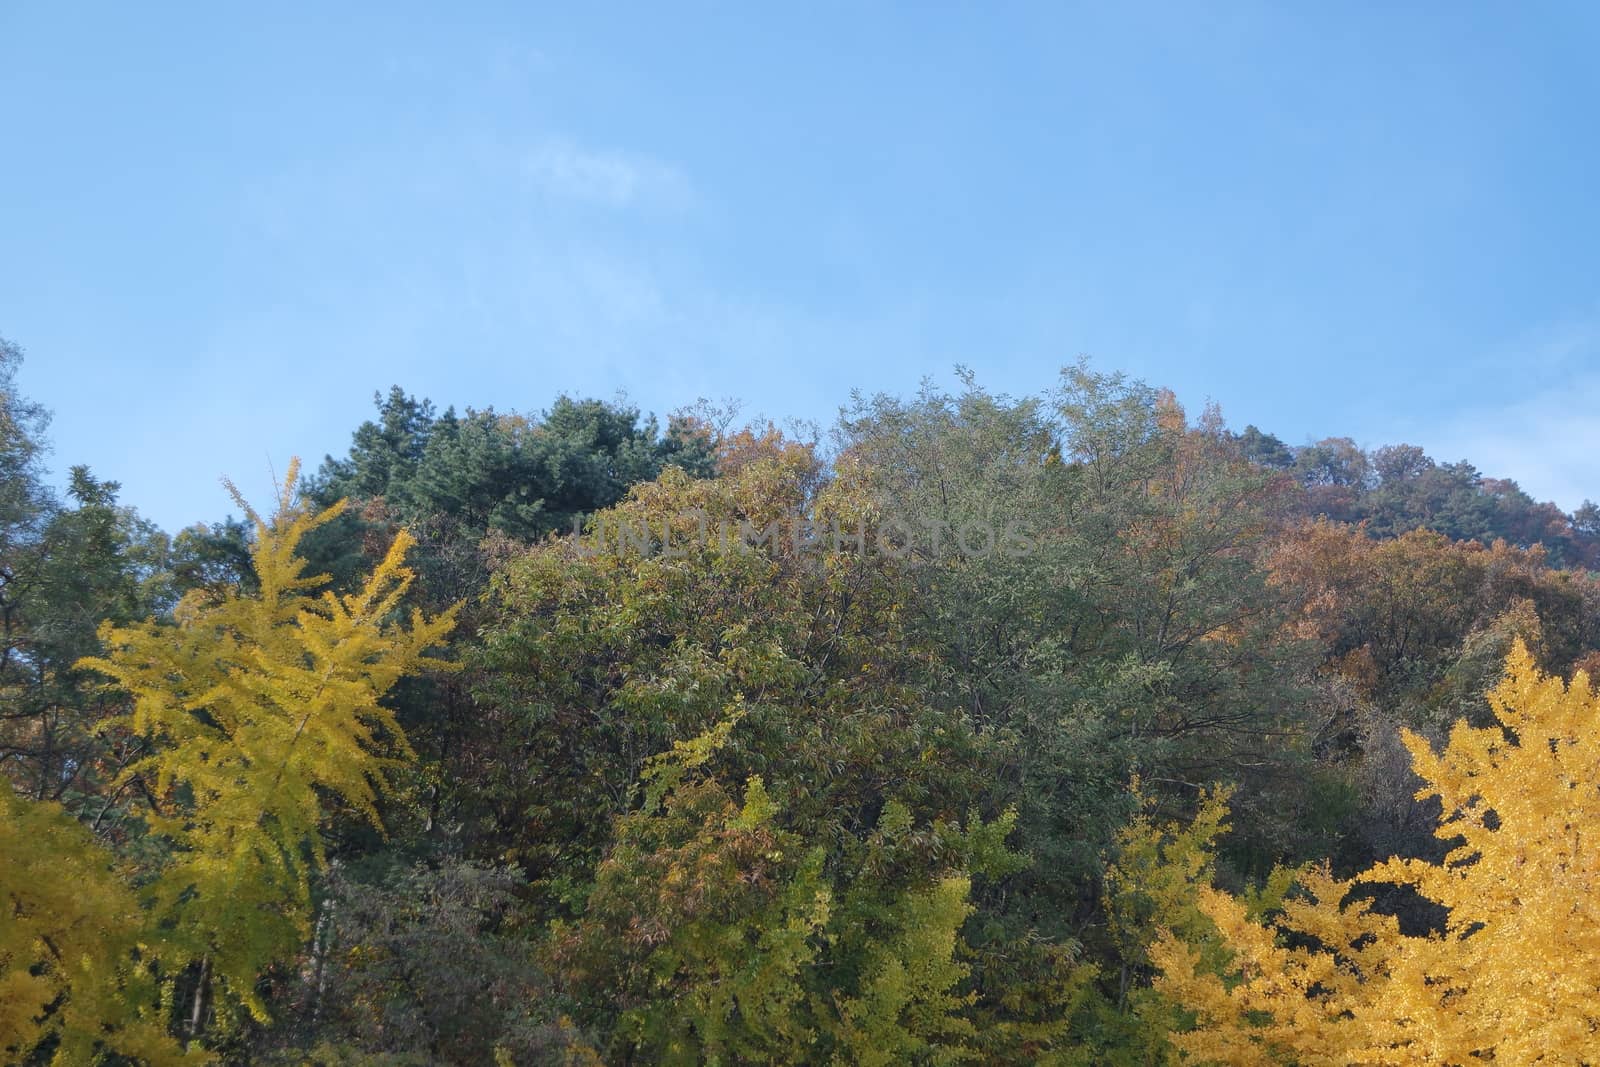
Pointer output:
223, 227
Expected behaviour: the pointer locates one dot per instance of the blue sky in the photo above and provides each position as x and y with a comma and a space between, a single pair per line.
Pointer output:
222, 227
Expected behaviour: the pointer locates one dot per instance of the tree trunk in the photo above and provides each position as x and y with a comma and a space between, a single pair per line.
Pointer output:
197, 1006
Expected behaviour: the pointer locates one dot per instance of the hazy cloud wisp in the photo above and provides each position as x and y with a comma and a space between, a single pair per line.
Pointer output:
613, 179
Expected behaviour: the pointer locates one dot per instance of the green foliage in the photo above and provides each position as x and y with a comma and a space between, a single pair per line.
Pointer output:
714, 936
703, 919
1153, 883
471, 489
23, 496
734, 774
604, 655
1133, 628
1398, 489
427, 962
62, 570
505, 473
906, 1010
1036, 1000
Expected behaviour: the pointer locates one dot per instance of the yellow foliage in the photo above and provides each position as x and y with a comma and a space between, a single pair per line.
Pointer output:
258, 705
907, 1011
1152, 880
66, 944
1515, 974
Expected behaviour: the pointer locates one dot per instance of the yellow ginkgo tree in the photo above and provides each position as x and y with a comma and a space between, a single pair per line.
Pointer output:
1513, 976
258, 707
72, 974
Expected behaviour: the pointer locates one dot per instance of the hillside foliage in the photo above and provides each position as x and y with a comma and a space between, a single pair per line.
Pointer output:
1072, 728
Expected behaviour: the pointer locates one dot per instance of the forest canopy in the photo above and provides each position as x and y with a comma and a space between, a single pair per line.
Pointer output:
1073, 728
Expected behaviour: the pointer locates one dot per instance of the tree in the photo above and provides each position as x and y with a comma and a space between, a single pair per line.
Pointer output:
703, 920
607, 649
1152, 883
488, 471
23, 496
63, 569
432, 962
694, 604
1514, 973
1265, 449
259, 711
472, 489
1131, 626
1397, 615
74, 978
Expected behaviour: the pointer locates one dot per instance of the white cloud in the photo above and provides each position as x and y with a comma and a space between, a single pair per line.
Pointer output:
1533, 414
1548, 441
615, 179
